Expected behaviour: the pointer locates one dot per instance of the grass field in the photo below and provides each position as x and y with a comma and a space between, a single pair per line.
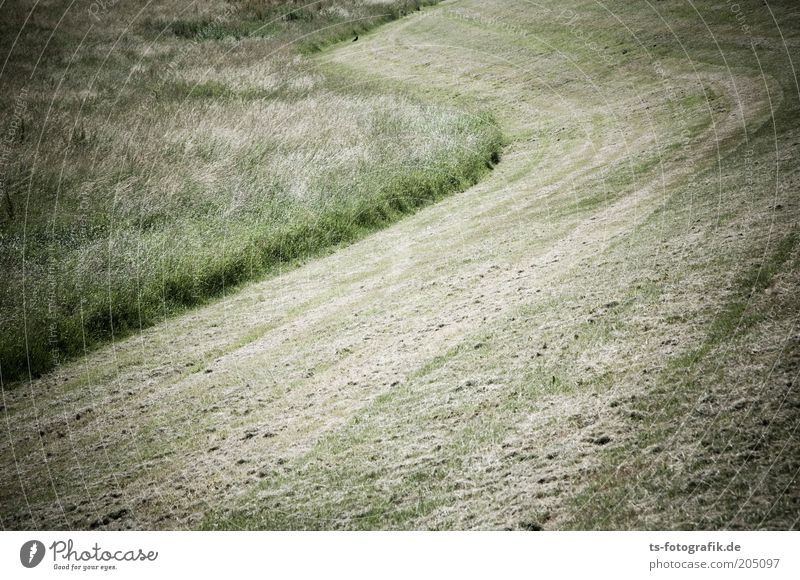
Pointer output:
601, 333
209, 151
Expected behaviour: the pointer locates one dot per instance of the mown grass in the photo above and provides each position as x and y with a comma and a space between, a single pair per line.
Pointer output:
187, 163
370, 473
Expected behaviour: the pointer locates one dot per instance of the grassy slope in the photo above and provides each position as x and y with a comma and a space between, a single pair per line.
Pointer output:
189, 152
601, 334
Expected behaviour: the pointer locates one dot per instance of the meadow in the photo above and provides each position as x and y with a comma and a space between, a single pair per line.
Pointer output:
601, 333
159, 155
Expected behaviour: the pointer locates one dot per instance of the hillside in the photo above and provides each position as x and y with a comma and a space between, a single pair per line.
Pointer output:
601, 333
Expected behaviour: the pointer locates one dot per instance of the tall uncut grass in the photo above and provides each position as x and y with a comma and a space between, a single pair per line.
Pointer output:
183, 153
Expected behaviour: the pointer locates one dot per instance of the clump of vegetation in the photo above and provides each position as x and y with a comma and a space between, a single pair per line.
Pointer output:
175, 165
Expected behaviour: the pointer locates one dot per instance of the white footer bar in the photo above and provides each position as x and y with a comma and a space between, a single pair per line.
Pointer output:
378, 555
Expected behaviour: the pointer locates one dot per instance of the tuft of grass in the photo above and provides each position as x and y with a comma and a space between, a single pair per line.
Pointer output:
734, 319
